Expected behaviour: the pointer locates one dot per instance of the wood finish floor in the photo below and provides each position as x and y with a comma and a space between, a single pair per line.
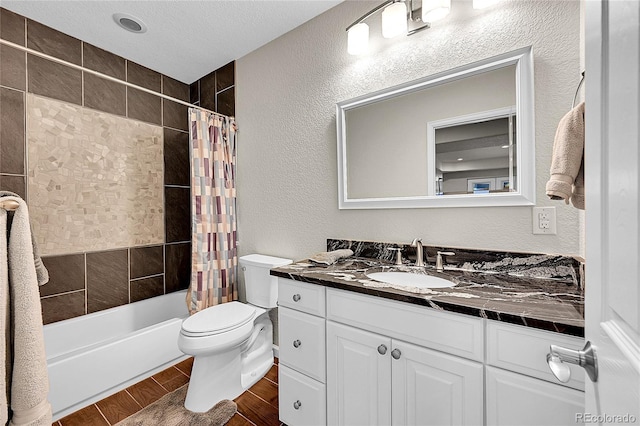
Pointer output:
258, 406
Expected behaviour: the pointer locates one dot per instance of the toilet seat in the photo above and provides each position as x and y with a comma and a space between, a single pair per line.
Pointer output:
218, 319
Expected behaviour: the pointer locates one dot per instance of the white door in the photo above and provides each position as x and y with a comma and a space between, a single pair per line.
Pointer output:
358, 377
433, 388
612, 155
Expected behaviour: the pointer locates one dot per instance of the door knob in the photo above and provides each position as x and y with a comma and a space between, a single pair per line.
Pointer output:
586, 358
296, 343
382, 349
396, 353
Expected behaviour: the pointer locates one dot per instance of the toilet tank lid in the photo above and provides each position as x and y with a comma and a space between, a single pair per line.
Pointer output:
263, 260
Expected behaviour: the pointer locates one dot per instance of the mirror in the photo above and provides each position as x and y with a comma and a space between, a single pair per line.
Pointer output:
461, 138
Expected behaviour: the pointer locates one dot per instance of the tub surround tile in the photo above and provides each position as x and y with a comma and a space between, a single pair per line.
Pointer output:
107, 280
146, 261
54, 80
225, 76
104, 95
177, 266
208, 91
104, 62
118, 407
12, 141
12, 27
87, 195
54, 43
555, 304
177, 170
178, 214
146, 288
66, 273
15, 184
226, 102
143, 76
146, 392
144, 106
88, 416
194, 92
175, 89
13, 68
175, 115
63, 306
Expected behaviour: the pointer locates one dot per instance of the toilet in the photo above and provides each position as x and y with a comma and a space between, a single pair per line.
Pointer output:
232, 343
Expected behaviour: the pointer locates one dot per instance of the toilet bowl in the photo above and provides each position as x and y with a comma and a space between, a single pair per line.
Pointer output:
232, 343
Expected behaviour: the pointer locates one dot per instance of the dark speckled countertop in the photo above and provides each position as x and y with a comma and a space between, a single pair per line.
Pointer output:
555, 304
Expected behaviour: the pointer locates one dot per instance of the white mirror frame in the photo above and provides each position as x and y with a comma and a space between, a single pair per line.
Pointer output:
525, 131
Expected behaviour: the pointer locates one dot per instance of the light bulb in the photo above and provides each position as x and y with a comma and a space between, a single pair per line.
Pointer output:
394, 20
434, 10
481, 4
358, 39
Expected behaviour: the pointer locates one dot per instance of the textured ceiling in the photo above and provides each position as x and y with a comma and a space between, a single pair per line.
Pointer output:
185, 39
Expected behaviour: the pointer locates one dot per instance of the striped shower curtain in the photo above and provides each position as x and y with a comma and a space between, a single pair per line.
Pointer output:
214, 257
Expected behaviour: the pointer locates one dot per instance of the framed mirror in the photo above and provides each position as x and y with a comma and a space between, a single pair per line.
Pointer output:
460, 138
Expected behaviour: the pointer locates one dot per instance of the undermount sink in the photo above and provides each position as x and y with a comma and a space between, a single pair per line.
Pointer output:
410, 279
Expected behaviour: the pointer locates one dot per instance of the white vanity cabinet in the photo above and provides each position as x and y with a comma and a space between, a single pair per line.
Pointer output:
375, 378
520, 388
302, 362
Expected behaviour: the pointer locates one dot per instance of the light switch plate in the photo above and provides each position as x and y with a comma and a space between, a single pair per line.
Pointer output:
544, 220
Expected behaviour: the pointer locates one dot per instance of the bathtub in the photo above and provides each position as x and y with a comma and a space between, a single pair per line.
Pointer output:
93, 356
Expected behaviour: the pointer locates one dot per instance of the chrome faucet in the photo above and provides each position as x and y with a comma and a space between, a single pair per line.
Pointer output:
417, 243
439, 263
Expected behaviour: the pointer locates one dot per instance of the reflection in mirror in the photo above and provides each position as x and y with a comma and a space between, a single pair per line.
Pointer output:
475, 154
447, 140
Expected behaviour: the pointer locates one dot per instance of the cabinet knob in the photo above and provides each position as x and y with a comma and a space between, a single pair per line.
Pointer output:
396, 353
297, 405
296, 343
296, 297
382, 349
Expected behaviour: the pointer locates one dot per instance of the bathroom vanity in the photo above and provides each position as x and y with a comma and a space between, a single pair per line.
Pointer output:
352, 352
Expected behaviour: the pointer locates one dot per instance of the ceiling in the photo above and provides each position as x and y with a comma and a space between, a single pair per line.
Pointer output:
185, 39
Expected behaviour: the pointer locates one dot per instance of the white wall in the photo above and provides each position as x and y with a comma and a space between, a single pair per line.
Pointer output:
286, 93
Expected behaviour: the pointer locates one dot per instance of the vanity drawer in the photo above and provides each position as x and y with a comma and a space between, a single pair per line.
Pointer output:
301, 296
301, 400
302, 342
448, 332
524, 350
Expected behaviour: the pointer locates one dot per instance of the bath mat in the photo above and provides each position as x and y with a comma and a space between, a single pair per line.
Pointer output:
169, 411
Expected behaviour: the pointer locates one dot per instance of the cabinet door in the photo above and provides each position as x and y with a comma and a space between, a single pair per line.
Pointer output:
358, 377
433, 388
514, 399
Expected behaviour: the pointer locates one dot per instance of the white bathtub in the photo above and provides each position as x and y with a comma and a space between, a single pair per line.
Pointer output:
93, 356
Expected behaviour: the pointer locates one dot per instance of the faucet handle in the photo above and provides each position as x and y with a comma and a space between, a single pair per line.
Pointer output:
439, 263
398, 254
415, 242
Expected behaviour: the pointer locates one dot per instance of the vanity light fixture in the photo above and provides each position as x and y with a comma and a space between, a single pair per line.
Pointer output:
401, 17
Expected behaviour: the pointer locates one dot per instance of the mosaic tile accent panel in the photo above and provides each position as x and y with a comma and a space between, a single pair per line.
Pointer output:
95, 179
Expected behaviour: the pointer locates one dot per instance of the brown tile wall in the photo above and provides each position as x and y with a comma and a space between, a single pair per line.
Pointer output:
82, 283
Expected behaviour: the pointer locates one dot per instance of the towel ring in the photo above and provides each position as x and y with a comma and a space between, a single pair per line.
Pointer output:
575, 97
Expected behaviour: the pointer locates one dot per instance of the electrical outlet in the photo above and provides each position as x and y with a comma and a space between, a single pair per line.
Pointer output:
544, 220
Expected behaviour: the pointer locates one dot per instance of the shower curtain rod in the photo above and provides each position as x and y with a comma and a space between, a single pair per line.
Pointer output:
106, 77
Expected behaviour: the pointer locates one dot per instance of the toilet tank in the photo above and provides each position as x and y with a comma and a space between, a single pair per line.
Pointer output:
261, 288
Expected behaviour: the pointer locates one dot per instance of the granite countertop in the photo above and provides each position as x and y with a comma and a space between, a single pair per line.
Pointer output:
545, 303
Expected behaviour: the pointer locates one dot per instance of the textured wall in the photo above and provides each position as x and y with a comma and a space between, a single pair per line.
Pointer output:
286, 93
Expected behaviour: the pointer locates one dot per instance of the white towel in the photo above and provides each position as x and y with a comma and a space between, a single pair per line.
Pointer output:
26, 383
567, 163
331, 257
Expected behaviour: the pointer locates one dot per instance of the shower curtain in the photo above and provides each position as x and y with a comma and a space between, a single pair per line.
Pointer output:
214, 256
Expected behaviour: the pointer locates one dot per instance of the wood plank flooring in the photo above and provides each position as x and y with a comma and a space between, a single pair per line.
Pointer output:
258, 406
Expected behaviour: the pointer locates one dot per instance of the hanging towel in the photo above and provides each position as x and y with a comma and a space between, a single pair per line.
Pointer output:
567, 165
331, 257
26, 383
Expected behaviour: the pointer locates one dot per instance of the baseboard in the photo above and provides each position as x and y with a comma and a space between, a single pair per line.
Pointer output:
276, 351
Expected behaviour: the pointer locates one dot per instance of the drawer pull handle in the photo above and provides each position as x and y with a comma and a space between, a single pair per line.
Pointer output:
296, 343
297, 405
396, 353
382, 349
296, 297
